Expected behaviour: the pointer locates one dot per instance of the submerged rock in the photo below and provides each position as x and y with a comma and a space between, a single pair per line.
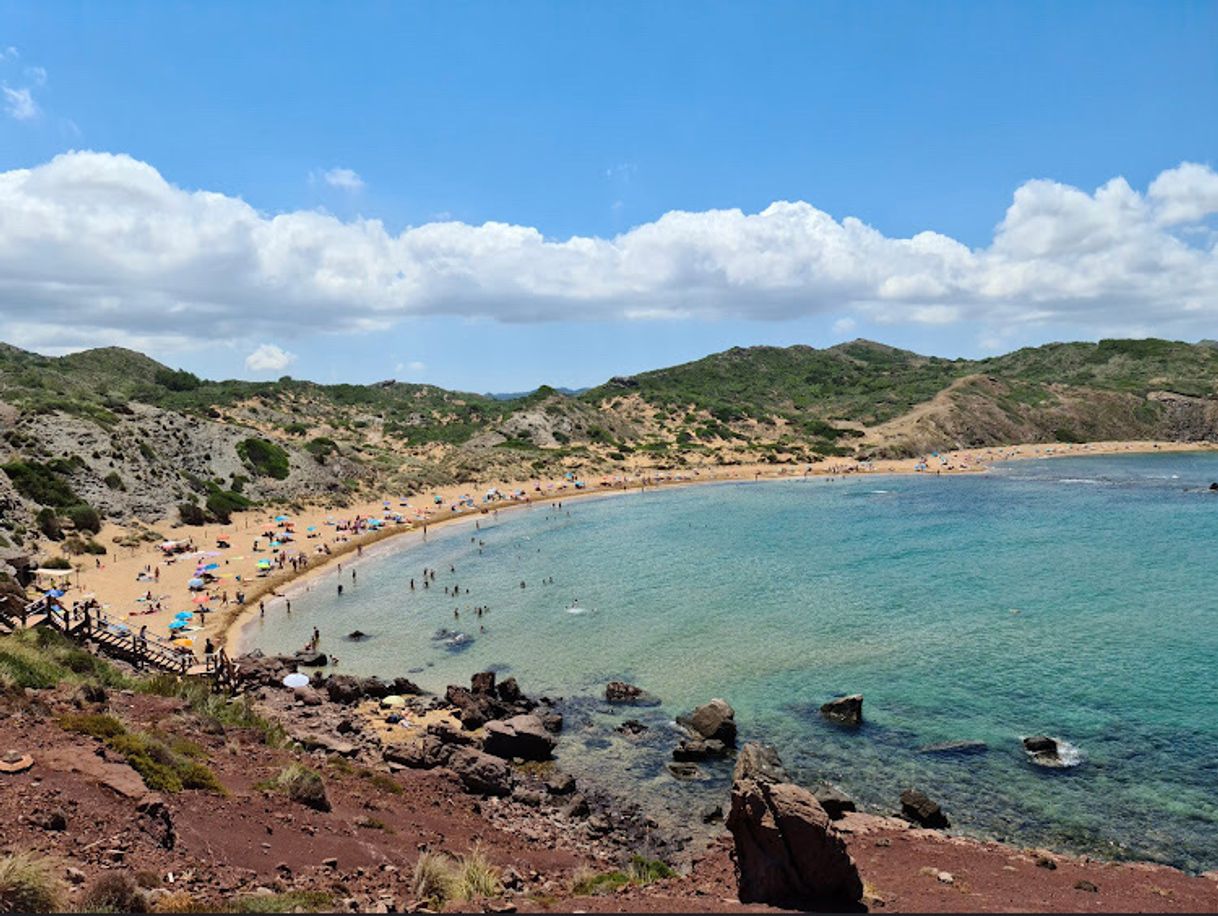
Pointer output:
955, 747
357, 636
715, 719
844, 710
699, 749
684, 770
623, 694
916, 807
631, 728
786, 850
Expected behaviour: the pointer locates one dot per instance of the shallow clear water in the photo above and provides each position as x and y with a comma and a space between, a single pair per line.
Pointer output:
1073, 597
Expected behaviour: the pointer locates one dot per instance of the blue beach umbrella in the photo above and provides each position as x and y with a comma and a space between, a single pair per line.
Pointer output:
281, 518
54, 593
195, 583
178, 625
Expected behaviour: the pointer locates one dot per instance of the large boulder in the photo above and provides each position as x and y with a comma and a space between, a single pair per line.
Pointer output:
715, 719
344, 689
481, 773
844, 710
520, 736
786, 850
916, 807
623, 694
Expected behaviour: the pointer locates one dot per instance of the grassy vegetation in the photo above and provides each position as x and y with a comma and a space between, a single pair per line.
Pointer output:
215, 710
441, 879
288, 902
30, 885
639, 871
41, 658
166, 763
300, 784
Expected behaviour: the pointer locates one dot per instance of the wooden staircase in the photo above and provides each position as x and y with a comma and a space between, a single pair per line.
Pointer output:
98, 629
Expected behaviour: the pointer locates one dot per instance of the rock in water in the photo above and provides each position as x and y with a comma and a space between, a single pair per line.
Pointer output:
520, 736
786, 850
1050, 752
845, 710
621, 693
955, 747
715, 720
916, 807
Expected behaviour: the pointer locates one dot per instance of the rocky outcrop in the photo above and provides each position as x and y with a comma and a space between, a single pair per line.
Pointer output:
714, 720
485, 702
620, 693
520, 737
480, 772
835, 802
844, 710
918, 808
787, 852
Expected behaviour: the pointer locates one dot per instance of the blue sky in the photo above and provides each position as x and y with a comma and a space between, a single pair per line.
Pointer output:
592, 119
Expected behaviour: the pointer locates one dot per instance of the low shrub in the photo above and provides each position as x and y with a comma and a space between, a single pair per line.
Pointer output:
289, 902
439, 878
301, 785
638, 871
48, 523
29, 885
113, 892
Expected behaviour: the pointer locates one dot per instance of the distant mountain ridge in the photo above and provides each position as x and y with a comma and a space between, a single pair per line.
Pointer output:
130, 436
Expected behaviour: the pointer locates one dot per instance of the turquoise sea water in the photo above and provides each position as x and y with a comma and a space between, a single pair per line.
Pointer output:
1073, 597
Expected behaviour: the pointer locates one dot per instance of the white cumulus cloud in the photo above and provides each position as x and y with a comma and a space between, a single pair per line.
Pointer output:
269, 358
97, 246
344, 179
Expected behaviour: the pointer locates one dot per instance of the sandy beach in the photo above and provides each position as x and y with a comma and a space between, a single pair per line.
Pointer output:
126, 579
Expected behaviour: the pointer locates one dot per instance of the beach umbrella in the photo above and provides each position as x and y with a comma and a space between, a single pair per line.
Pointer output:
182, 614
212, 566
184, 641
178, 625
311, 528
281, 518
54, 593
200, 599
296, 680
195, 583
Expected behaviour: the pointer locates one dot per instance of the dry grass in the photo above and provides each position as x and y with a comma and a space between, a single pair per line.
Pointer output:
29, 885
440, 878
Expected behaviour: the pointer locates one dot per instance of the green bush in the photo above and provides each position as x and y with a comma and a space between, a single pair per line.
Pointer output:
114, 482
48, 524
56, 563
301, 785
191, 514
84, 517
223, 503
264, 458
41, 484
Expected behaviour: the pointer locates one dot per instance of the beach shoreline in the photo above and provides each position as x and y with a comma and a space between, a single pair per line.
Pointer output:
115, 584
